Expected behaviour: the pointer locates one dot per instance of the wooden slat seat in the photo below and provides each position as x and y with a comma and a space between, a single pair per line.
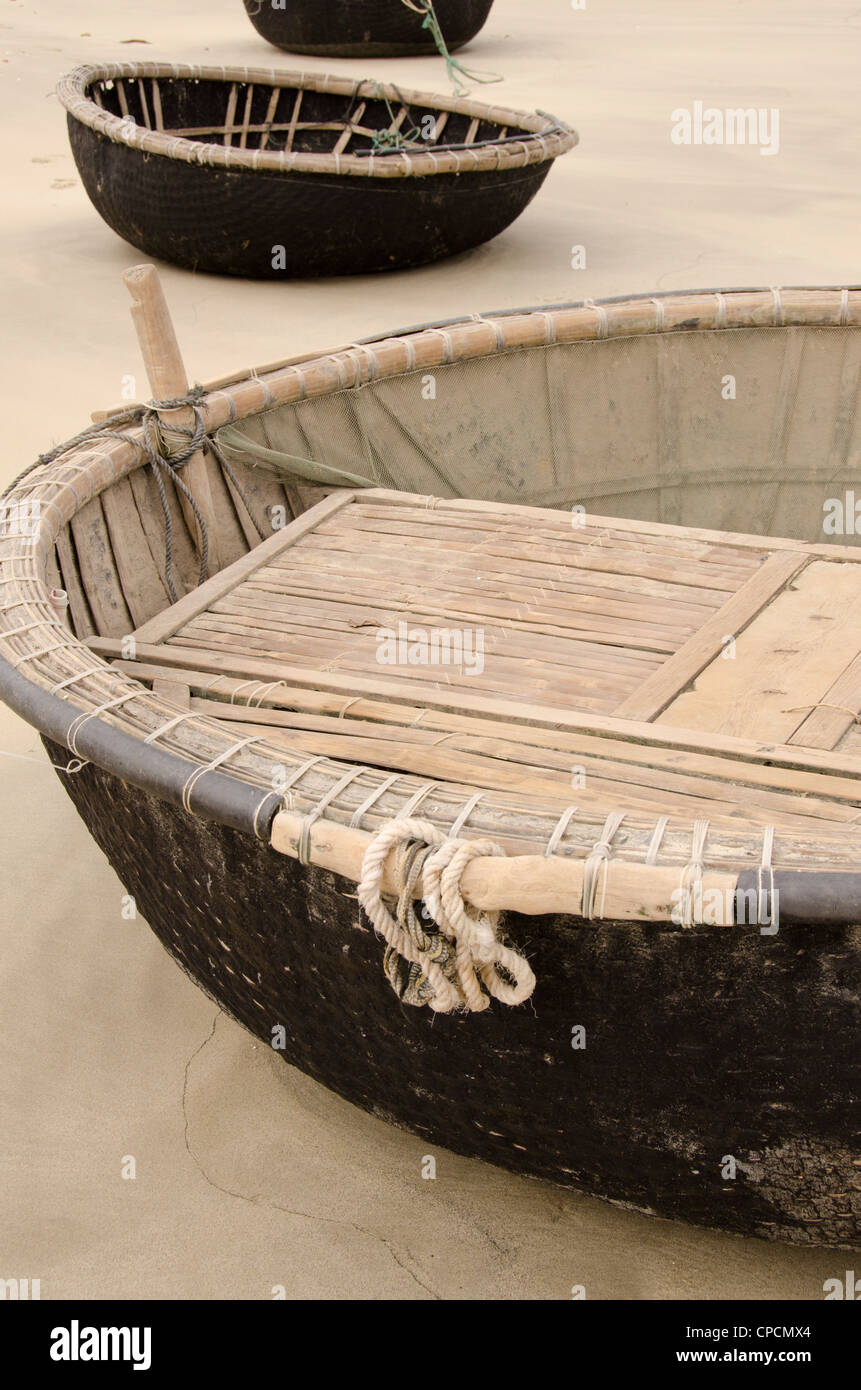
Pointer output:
623, 624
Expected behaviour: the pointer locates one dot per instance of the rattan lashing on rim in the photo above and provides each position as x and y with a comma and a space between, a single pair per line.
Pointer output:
544, 138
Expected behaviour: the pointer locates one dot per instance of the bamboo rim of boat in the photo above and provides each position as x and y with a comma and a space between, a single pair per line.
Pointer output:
545, 137
105, 716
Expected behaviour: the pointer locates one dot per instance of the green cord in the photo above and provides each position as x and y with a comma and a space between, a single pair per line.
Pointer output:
392, 139
453, 67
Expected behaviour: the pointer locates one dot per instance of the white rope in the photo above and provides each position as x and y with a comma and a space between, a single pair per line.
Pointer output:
264, 802
71, 680
657, 837
237, 688
597, 860
765, 896
24, 627
603, 321
212, 766
448, 343
358, 352
356, 817
559, 831
267, 394
77, 724
297, 774
42, 651
692, 876
415, 800
170, 724
445, 995
465, 813
312, 816
479, 955
256, 698
720, 317
498, 331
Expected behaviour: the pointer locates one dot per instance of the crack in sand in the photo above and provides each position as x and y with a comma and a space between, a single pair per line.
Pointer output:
675, 270
259, 1200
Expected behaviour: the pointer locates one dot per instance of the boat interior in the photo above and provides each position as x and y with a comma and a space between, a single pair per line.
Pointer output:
297, 119
604, 577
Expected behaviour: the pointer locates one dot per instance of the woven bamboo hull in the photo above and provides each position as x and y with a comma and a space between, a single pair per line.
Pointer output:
364, 28
276, 175
696, 1047
228, 222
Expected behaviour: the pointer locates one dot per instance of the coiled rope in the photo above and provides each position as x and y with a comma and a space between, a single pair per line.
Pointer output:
444, 967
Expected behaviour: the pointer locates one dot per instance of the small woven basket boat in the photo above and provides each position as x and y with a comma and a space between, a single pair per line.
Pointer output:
634, 801
271, 175
365, 28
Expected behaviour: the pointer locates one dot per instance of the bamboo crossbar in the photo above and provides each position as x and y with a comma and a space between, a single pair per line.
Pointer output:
532, 884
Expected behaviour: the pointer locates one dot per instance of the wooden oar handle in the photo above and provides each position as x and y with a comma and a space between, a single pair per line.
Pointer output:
158, 342
168, 381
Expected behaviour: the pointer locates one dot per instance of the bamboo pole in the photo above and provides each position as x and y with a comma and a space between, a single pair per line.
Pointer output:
168, 380
527, 883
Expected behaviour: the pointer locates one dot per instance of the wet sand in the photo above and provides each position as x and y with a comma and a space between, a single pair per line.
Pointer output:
249, 1175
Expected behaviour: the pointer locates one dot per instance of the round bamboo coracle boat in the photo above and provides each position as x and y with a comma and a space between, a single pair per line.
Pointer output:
243, 171
367, 28
614, 526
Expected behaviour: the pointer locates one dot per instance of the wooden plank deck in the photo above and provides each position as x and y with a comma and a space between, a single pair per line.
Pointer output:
793, 656
559, 645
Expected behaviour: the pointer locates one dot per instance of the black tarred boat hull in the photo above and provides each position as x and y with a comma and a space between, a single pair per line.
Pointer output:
364, 28
232, 221
701, 1045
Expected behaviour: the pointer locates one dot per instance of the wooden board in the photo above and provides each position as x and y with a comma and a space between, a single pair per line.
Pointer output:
837, 712
786, 661
592, 637
704, 647
172, 619
144, 589
569, 640
98, 569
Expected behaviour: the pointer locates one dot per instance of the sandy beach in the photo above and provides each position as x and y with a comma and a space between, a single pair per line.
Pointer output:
249, 1176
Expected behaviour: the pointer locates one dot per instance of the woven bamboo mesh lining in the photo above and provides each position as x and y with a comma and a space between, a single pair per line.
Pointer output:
59, 663
750, 431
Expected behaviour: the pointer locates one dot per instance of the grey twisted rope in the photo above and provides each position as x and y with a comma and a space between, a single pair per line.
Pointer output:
407, 978
161, 465
170, 466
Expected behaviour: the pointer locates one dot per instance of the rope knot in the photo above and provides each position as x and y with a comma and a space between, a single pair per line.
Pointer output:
176, 444
444, 964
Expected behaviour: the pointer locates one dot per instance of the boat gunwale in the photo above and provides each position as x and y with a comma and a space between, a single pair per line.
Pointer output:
218, 793
545, 137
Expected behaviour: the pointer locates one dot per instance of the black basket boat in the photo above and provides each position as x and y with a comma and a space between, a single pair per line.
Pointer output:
366, 28
273, 175
654, 768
